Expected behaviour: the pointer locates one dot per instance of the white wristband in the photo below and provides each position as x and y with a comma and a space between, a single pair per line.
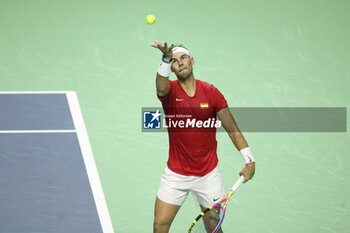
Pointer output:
247, 155
164, 69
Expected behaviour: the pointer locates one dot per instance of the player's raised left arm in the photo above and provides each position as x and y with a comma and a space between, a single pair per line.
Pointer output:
162, 78
239, 141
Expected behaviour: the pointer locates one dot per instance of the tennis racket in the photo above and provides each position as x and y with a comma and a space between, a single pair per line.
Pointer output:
198, 225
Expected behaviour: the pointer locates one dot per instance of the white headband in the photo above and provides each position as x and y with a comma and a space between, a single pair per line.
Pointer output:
181, 50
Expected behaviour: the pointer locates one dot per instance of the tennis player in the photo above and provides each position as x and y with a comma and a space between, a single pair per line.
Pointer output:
192, 163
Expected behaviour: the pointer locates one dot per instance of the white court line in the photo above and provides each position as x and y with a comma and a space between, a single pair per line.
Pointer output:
38, 131
86, 150
90, 164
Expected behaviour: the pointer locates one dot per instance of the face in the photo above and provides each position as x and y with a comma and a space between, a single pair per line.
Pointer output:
182, 65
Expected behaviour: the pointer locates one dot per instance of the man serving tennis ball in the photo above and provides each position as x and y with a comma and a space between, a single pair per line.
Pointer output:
192, 164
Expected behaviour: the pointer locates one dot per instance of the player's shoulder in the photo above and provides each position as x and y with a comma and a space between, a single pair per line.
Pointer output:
206, 85
172, 82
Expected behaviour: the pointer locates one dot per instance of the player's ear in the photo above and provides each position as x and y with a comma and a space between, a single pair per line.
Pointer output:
192, 60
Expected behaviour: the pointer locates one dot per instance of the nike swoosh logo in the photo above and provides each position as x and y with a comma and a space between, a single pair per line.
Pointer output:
216, 199
179, 99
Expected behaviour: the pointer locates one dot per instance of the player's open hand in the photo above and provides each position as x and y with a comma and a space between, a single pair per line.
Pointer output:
248, 171
167, 51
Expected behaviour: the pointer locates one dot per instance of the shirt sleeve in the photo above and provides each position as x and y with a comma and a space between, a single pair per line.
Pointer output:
219, 100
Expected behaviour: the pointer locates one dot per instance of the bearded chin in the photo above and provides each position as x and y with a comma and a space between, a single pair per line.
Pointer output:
181, 77
185, 76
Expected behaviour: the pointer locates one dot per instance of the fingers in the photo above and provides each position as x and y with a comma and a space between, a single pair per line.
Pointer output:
157, 44
165, 49
246, 176
166, 46
162, 47
248, 171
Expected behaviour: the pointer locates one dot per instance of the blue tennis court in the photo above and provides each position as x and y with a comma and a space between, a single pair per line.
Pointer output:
48, 177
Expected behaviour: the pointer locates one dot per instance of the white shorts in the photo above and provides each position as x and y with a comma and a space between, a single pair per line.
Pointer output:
206, 190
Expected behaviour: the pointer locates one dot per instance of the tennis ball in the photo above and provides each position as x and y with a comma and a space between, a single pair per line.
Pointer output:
150, 19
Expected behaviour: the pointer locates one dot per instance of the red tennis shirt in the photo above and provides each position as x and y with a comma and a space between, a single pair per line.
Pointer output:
192, 147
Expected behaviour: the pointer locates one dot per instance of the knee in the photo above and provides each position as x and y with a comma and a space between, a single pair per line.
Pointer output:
161, 225
212, 218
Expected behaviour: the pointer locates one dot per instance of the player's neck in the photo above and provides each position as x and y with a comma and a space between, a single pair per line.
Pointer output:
188, 85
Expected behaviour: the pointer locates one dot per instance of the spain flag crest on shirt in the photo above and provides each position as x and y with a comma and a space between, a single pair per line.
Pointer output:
204, 105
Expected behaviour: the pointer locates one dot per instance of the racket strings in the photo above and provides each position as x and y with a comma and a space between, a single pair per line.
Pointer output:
208, 222
217, 216
213, 218
199, 227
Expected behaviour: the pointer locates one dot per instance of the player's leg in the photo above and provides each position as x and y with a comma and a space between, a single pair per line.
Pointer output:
206, 192
211, 219
171, 194
164, 214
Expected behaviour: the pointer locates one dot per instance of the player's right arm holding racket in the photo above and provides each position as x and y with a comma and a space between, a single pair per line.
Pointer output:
214, 215
238, 140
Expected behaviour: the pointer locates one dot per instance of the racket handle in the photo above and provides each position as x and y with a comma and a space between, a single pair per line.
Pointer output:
238, 183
